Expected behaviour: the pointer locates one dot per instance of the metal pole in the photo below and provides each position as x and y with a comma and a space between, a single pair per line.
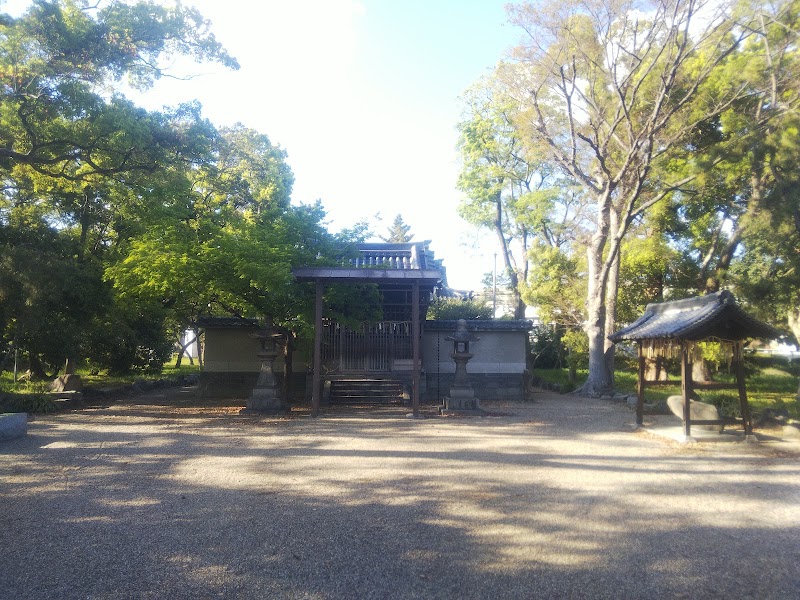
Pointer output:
494, 288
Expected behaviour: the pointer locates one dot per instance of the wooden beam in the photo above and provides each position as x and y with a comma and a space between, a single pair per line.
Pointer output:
714, 385
316, 378
640, 387
747, 419
415, 354
686, 389
662, 383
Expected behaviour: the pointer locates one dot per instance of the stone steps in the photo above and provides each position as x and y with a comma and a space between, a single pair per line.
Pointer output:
366, 391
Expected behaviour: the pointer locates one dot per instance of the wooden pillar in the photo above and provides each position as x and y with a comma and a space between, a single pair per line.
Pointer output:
415, 331
640, 387
747, 419
316, 378
686, 389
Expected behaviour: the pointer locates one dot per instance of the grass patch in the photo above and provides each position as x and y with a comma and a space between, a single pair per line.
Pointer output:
768, 387
95, 378
102, 379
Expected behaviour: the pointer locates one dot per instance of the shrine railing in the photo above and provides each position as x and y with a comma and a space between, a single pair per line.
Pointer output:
373, 347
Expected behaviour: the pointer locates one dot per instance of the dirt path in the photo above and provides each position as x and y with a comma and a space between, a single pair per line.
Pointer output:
158, 497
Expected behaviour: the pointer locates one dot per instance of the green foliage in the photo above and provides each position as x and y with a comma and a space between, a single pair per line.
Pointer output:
55, 61
352, 305
452, 309
764, 390
647, 262
715, 354
28, 403
398, 232
130, 338
119, 226
556, 284
547, 351
508, 191
577, 346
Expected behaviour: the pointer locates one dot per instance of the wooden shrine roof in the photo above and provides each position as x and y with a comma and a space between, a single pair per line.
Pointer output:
715, 316
381, 263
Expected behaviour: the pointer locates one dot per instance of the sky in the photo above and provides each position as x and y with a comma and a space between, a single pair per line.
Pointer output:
364, 96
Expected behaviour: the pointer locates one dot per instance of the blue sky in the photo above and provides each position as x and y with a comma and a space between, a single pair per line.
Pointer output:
364, 97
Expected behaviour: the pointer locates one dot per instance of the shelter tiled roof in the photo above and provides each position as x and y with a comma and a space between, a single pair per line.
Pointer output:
712, 316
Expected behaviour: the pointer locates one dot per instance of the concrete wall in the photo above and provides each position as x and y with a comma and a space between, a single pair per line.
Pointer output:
229, 350
495, 352
496, 370
231, 364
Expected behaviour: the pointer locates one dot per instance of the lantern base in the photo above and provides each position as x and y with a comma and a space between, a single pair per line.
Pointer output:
462, 401
266, 400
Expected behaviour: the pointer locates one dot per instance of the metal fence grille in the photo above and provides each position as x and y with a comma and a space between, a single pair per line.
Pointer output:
370, 348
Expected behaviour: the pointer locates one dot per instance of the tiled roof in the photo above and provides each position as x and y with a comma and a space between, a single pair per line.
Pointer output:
410, 255
385, 263
206, 322
713, 316
480, 325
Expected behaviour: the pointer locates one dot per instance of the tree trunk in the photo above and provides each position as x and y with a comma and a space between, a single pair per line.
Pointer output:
182, 351
700, 371
599, 381
200, 343
654, 369
69, 366
288, 367
519, 304
36, 368
612, 287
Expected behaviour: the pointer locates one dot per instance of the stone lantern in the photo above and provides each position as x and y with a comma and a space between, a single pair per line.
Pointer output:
462, 398
266, 396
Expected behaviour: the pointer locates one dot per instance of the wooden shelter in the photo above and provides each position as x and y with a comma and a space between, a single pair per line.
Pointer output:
673, 329
406, 275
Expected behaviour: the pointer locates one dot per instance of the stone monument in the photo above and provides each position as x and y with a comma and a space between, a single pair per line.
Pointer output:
266, 396
462, 400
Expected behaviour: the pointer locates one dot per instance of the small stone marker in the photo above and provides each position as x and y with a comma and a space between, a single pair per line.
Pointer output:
67, 383
13, 425
700, 411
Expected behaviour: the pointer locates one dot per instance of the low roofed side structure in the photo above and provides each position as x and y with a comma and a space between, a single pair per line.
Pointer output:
673, 329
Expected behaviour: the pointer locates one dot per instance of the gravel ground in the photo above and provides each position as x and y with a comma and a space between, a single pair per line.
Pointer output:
156, 497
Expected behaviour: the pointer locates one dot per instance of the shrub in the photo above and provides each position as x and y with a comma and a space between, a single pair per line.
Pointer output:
546, 348
29, 403
452, 309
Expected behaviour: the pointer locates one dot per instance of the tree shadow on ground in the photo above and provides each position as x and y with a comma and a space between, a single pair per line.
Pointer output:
120, 503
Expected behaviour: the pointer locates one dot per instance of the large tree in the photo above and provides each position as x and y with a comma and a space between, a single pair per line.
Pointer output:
608, 91
57, 62
516, 197
81, 169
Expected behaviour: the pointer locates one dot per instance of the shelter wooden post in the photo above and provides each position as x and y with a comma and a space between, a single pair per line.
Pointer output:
711, 317
686, 389
640, 387
747, 419
415, 335
316, 378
